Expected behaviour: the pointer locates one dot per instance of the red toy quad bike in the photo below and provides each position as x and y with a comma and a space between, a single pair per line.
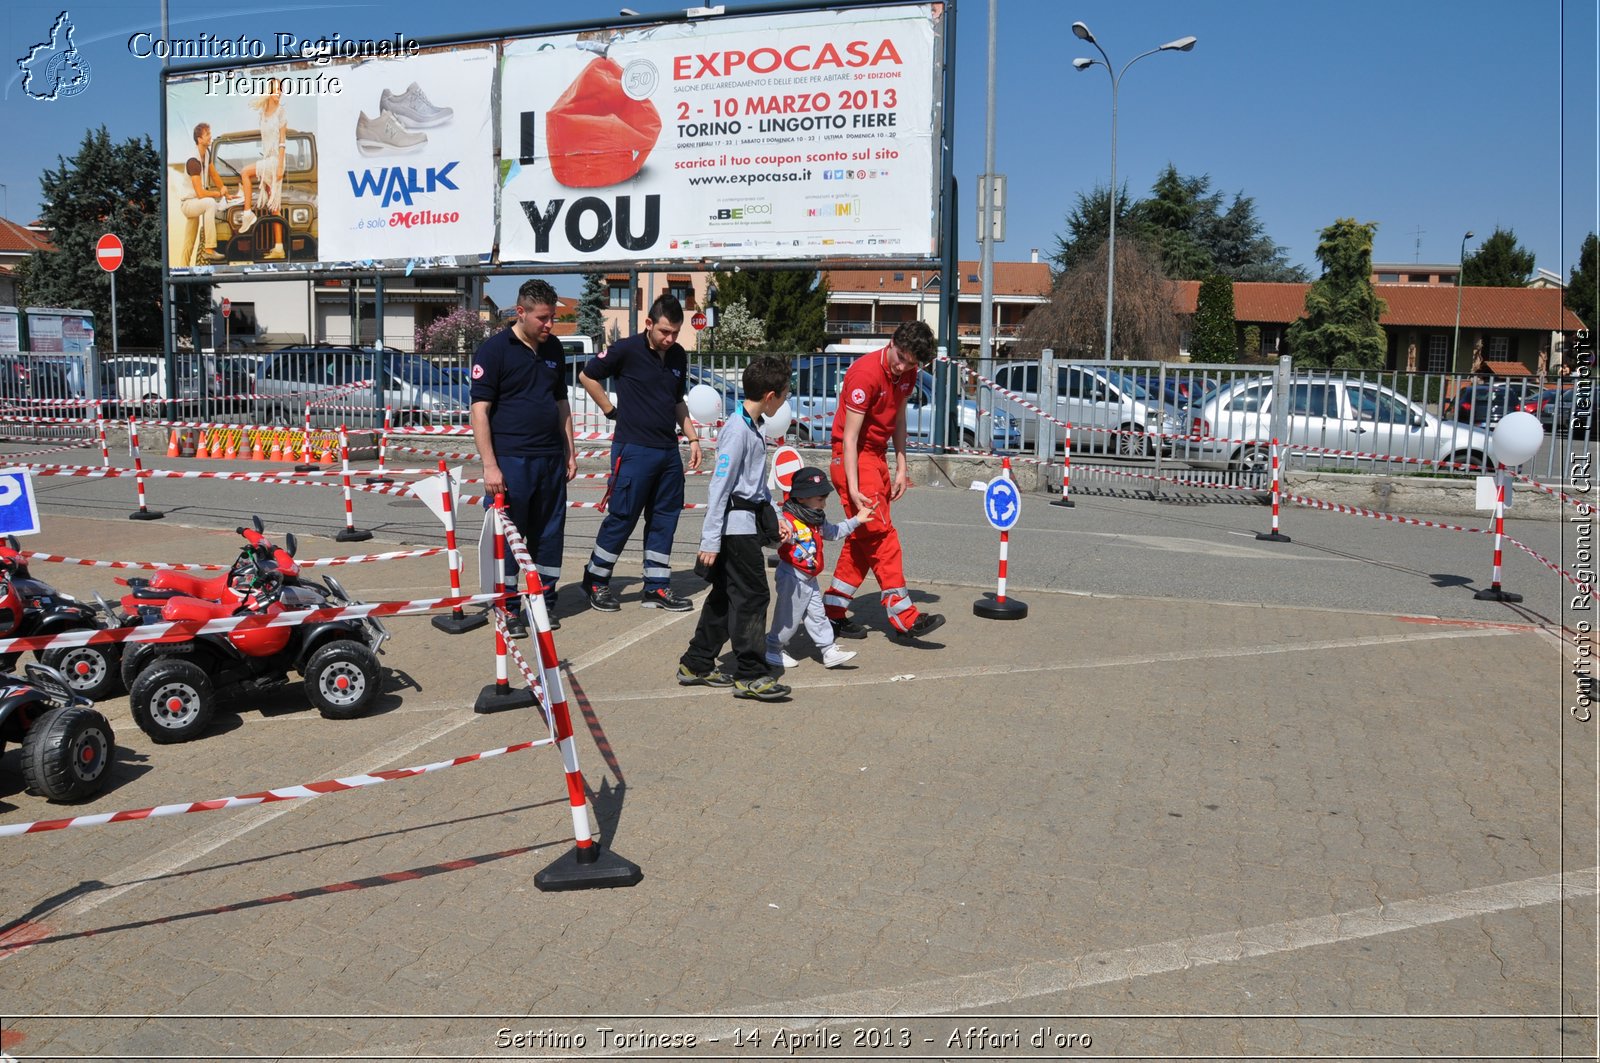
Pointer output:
66, 744
172, 685
31, 607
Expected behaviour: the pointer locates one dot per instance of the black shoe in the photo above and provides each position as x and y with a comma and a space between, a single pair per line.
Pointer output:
601, 598
555, 622
687, 677
762, 688
516, 627
848, 629
665, 599
923, 625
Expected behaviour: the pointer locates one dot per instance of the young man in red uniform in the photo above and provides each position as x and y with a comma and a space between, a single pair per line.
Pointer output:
871, 414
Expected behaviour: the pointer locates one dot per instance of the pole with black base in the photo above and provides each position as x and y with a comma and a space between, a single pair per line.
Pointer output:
1494, 592
144, 512
501, 695
997, 606
382, 476
457, 622
350, 533
1274, 536
1002, 506
1064, 502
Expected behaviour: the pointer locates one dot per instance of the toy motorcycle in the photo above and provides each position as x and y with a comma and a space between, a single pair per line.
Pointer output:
172, 684
33, 607
66, 744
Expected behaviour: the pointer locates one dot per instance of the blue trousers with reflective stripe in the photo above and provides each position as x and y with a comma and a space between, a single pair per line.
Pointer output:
536, 499
645, 482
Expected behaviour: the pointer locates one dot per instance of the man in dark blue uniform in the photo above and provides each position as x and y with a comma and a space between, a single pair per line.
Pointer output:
522, 423
646, 471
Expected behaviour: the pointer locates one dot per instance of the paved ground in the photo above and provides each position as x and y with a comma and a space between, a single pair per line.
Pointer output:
1214, 797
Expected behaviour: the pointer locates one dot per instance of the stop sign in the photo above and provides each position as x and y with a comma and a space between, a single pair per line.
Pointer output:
698, 321
227, 306
108, 252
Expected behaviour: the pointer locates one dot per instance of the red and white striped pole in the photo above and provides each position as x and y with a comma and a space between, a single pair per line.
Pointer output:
1000, 607
1064, 501
350, 534
1274, 536
308, 457
100, 425
1494, 592
501, 695
144, 512
458, 622
382, 476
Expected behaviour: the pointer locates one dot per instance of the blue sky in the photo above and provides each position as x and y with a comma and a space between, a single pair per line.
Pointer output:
1432, 115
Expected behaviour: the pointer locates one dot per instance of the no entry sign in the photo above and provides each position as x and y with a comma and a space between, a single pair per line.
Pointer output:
227, 306
108, 252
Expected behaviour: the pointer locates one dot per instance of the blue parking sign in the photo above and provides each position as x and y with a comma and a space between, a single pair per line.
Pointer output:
19, 511
1002, 505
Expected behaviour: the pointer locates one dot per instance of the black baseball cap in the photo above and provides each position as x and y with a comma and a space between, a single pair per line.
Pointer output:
808, 482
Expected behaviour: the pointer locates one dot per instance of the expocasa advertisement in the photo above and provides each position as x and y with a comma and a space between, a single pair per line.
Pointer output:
802, 135
407, 161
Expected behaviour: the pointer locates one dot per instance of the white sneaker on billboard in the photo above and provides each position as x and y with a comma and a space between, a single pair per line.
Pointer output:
383, 135
247, 221
413, 108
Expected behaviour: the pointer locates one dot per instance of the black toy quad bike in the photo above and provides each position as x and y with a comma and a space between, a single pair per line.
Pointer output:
172, 685
66, 744
31, 607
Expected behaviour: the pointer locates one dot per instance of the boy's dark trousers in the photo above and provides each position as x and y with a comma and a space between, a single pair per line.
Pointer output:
736, 608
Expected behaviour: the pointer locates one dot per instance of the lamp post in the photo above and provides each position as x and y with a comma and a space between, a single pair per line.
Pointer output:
1461, 267
1081, 31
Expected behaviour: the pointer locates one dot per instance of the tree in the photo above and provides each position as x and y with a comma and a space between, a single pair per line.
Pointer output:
737, 329
1088, 226
108, 188
1173, 219
1073, 322
462, 329
793, 304
1583, 284
1500, 263
1215, 337
1240, 248
591, 322
1340, 327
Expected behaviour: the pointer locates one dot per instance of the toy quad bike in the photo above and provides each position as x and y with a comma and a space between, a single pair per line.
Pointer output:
31, 607
172, 685
66, 744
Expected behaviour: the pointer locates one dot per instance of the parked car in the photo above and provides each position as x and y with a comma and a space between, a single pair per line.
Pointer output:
1568, 409
1094, 397
415, 388
1176, 387
1485, 404
1233, 427
814, 397
24, 376
140, 381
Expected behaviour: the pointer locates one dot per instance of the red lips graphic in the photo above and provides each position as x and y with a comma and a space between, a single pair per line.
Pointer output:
597, 134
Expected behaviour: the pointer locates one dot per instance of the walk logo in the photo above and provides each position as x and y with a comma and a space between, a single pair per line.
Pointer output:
54, 68
400, 183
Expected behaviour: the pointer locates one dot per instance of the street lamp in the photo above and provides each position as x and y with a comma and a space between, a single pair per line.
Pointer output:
1081, 31
1461, 267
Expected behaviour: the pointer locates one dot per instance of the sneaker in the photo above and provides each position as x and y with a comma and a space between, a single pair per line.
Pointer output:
516, 627
713, 678
783, 660
833, 657
275, 255
247, 221
413, 108
761, 688
601, 598
924, 624
665, 599
848, 629
211, 258
384, 135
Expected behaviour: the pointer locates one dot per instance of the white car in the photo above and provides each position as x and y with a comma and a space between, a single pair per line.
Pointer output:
1128, 416
1232, 426
140, 381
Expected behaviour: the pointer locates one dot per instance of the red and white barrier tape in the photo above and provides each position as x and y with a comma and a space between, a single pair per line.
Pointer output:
1549, 564
157, 566
361, 559
284, 793
1393, 518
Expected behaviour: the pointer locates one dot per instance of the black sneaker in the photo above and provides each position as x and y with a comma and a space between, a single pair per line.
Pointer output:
924, 624
516, 627
761, 688
601, 598
687, 677
848, 629
665, 599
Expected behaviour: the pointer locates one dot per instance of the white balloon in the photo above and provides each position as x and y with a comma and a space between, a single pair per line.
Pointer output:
1516, 438
775, 426
705, 405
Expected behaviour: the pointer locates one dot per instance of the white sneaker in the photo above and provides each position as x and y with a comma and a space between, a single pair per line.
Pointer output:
247, 221
781, 659
833, 657
413, 108
386, 136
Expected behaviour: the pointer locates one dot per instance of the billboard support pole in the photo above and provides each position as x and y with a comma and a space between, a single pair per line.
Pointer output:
944, 382
379, 369
169, 305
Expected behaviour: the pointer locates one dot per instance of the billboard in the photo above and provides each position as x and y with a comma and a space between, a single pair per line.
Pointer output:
60, 331
800, 135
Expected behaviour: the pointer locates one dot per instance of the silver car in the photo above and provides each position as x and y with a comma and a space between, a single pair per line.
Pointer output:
1131, 420
1233, 426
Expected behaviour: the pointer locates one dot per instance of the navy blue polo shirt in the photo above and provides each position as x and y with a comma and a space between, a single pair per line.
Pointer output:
522, 387
649, 387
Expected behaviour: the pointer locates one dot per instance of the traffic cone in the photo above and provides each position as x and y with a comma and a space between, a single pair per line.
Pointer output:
276, 453
172, 445
327, 453
230, 448
255, 449
201, 450
307, 455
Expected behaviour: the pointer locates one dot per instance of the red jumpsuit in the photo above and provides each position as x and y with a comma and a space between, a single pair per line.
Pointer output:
874, 547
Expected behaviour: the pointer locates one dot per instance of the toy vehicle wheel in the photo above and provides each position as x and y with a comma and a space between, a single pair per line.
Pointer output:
93, 671
136, 657
172, 701
66, 752
342, 678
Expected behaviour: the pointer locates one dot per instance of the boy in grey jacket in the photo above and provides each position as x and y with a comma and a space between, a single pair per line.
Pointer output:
730, 547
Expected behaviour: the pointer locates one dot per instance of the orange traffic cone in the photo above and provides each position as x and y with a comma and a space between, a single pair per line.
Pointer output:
327, 453
230, 448
276, 453
172, 445
201, 450
255, 449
